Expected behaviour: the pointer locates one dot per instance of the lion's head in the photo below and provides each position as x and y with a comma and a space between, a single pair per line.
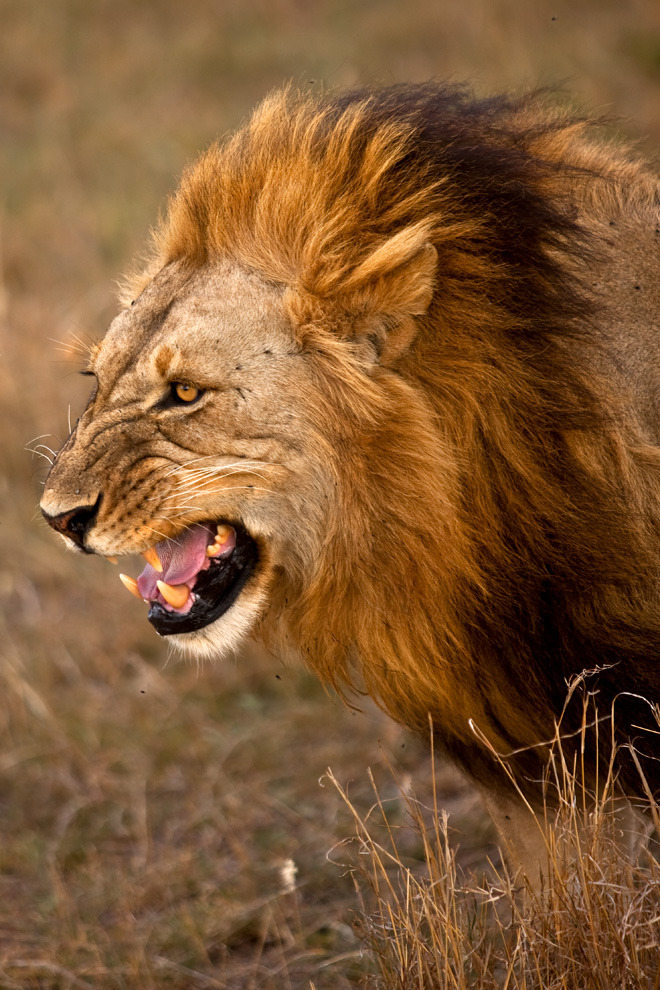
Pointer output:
230, 392
191, 432
355, 404
212, 436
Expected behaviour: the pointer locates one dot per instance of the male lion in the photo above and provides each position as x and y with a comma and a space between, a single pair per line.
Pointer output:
388, 395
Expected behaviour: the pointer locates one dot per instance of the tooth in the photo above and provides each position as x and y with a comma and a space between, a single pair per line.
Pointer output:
113, 560
152, 558
223, 533
130, 584
175, 595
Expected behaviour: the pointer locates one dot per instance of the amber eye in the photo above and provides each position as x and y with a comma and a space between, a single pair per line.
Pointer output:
185, 393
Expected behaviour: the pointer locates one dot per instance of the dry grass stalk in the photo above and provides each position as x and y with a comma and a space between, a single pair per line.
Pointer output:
595, 923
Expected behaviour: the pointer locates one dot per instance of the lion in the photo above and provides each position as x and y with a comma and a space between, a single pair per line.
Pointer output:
386, 396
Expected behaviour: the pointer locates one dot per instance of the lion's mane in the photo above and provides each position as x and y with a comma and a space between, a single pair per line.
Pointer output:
496, 528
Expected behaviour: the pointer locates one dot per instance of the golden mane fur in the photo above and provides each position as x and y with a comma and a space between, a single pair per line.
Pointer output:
472, 286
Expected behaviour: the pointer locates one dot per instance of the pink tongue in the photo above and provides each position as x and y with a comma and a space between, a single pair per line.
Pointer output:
182, 559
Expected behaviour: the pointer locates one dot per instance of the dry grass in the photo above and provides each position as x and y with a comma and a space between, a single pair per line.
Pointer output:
148, 812
593, 923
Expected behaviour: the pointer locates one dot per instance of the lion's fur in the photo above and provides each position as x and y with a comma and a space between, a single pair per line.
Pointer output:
473, 287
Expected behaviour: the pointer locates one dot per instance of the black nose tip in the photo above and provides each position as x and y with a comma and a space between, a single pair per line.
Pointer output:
76, 522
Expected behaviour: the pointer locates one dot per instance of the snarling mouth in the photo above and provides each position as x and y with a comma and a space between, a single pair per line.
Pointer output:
191, 580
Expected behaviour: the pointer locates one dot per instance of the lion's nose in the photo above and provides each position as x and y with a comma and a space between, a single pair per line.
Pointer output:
75, 523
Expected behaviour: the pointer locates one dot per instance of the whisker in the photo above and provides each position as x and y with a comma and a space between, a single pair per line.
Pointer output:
39, 453
200, 493
175, 511
49, 454
72, 345
162, 535
226, 469
193, 485
194, 460
41, 437
43, 446
239, 466
64, 348
202, 483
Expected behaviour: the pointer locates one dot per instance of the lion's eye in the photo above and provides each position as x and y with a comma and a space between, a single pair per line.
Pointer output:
184, 393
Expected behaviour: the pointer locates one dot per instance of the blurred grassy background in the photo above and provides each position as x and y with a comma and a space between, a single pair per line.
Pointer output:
149, 811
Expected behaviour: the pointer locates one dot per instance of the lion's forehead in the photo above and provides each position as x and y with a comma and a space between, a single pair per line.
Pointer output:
220, 316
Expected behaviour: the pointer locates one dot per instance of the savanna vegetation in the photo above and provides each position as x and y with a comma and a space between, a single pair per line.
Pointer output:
164, 826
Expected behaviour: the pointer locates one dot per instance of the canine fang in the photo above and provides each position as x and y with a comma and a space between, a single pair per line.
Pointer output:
152, 558
175, 595
131, 585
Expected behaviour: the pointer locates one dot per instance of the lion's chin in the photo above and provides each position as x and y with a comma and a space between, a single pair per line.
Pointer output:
225, 635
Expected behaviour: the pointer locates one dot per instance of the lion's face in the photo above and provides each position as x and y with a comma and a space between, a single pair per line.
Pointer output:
193, 444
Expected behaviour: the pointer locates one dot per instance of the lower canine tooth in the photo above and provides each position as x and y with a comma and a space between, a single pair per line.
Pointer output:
131, 585
175, 595
223, 533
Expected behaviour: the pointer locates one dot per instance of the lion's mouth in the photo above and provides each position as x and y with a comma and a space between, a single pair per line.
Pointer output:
191, 580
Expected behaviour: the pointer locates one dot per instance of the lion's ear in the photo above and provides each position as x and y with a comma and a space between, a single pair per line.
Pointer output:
399, 275
375, 302
391, 287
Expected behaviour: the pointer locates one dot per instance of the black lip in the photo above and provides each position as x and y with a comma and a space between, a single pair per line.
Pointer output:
215, 590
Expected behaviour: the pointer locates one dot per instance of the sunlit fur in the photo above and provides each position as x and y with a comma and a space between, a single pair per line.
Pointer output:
474, 286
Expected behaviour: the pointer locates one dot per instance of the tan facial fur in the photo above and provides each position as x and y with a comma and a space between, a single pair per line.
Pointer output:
234, 454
